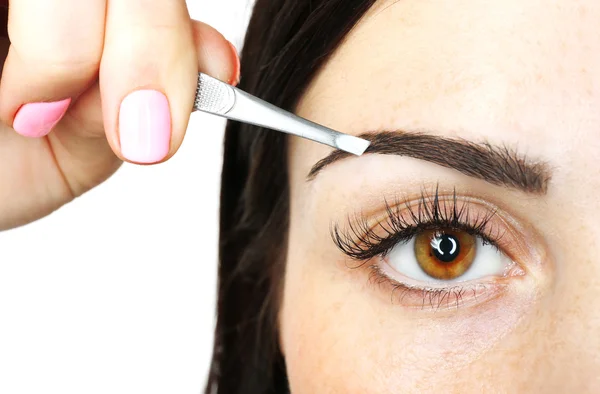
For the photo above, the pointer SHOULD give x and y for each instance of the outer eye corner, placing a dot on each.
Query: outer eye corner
(514, 269)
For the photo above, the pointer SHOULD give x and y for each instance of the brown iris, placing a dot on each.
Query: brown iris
(445, 254)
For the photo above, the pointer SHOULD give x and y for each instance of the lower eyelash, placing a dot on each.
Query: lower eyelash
(431, 297)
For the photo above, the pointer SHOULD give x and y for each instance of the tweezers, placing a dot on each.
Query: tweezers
(218, 98)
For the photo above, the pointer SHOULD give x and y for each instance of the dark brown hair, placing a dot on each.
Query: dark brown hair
(286, 43)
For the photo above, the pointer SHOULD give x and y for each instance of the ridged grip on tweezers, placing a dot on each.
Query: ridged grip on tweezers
(213, 96)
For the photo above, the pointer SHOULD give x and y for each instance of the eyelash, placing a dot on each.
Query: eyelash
(362, 242)
(433, 297)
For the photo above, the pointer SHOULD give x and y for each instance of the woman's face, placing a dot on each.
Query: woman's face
(457, 266)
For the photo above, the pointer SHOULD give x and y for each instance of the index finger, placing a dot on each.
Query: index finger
(54, 56)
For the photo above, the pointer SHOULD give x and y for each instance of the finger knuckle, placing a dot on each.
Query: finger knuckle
(60, 59)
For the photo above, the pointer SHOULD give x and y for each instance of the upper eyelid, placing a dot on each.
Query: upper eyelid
(496, 165)
(431, 209)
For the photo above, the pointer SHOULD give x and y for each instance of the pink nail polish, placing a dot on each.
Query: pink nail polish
(37, 119)
(145, 126)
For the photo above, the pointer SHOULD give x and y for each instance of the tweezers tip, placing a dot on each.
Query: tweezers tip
(351, 144)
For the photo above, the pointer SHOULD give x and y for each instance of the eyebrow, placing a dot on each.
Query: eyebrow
(497, 165)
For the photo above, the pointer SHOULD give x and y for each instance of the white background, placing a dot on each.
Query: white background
(115, 292)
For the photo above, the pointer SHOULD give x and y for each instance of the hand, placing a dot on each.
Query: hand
(88, 84)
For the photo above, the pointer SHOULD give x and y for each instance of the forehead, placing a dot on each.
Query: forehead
(510, 72)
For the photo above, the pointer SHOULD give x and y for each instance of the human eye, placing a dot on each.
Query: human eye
(437, 251)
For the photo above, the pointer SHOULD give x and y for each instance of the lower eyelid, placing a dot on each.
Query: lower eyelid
(437, 298)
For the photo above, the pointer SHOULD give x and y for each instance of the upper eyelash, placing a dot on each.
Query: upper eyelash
(361, 242)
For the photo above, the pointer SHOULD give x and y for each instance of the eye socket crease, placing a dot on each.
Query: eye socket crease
(494, 164)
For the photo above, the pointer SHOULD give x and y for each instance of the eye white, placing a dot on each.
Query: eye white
(488, 261)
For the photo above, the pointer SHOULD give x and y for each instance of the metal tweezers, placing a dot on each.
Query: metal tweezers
(218, 98)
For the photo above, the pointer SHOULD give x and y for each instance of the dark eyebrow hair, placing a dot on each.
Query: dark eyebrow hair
(497, 165)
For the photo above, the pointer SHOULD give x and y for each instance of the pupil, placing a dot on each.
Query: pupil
(445, 247)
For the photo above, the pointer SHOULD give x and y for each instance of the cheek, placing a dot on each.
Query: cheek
(341, 334)
(324, 353)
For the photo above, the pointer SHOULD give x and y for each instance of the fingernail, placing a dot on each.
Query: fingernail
(235, 79)
(37, 119)
(145, 126)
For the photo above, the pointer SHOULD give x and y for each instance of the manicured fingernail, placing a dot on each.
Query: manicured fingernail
(145, 126)
(235, 79)
(37, 119)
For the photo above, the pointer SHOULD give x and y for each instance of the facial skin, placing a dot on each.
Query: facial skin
(519, 73)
